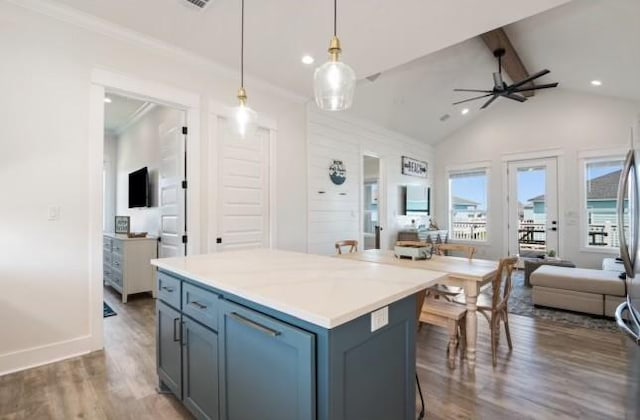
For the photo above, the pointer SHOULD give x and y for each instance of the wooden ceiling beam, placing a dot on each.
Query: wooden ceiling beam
(511, 62)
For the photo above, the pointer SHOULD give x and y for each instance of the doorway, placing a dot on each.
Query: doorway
(144, 189)
(105, 83)
(371, 203)
(533, 207)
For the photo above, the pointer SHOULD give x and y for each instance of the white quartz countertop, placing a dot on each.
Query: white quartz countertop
(325, 291)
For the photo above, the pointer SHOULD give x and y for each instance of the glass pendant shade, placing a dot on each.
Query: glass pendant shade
(334, 86)
(244, 122)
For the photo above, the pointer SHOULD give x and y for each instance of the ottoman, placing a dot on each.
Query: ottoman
(585, 290)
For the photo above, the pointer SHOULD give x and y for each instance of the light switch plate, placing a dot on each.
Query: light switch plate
(379, 318)
(54, 213)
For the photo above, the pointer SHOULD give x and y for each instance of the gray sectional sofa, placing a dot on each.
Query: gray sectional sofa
(597, 292)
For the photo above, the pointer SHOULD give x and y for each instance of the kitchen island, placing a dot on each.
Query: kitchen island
(267, 334)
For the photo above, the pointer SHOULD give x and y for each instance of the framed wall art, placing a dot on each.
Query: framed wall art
(414, 167)
(122, 224)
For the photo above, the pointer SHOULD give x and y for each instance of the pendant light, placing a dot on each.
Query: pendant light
(244, 119)
(334, 82)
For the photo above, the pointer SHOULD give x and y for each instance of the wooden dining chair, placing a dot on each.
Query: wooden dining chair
(353, 246)
(496, 308)
(443, 290)
(450, 316)
(467, 250)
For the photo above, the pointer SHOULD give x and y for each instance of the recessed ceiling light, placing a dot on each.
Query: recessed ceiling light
(464, 111)
(307, 59)
(107, 99)
(596, 83)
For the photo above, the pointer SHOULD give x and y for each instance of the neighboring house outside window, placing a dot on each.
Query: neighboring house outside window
(601, 178)
(468, 191)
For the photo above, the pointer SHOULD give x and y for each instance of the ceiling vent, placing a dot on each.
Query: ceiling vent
(200, 4)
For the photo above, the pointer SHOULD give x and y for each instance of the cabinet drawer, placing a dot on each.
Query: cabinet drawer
(116, 261)
(116, 277)
(118, 246)
(106, 258)
(201, 305)
(106, 273)
(106, 243)
(169, 289)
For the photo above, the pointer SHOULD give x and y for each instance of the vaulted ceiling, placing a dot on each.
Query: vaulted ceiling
(376, 35)
(579, 42)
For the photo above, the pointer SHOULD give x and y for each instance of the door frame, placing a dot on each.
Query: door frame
(558, 154)
(218, 110)
(382, 198)
(101, 81)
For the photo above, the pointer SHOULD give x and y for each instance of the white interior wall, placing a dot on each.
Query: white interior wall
(138, 146)
(110, 170)
(566, 121)
(335, 210)
(44, 265)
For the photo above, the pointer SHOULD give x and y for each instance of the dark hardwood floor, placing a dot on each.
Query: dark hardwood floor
(554, 372)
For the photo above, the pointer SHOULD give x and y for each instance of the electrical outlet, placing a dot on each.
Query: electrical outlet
(54, 213)
(379, 318)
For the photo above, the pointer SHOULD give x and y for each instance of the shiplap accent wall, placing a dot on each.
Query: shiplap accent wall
(336, 214)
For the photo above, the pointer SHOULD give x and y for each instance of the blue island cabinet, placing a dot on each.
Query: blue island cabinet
(230, 358)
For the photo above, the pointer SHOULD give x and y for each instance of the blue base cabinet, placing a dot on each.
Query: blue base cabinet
(200, 369)
(232, 359)
(267, 367)
(169, 347)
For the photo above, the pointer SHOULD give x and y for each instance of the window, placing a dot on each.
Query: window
(601, 177)
(468, 205)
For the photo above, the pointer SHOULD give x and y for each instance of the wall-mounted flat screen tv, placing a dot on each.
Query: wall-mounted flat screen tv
(139, 188)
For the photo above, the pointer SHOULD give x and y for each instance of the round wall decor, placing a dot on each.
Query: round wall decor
(337, 172)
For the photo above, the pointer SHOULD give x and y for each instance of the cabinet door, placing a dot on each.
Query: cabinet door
(267, 367)
(169, 349)
(200, 369)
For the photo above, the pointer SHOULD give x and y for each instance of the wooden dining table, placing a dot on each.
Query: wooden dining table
(468, 274)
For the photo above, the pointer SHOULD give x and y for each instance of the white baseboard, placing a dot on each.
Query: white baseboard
(38, 356)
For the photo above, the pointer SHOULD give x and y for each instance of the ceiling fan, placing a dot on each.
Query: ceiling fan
(500, 88)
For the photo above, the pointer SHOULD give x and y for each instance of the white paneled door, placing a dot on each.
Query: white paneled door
(172, 194)
(243, 191)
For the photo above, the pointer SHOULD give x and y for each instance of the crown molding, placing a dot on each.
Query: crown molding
(101, 26)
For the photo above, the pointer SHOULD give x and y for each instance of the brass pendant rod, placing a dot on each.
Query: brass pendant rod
(242, 47)
(335, 17)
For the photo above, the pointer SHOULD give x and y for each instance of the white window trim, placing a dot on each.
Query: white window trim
(585, 157)
(462, 168)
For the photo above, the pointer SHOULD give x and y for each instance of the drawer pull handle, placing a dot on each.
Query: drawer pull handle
(168, 289)
(255, 325)
(176, 326)
(198, 305)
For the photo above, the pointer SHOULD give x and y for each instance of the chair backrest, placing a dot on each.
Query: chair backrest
(467, 250)
(502, 284)
(353, 246)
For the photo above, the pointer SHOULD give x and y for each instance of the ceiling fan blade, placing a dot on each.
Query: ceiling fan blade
(530, 78)
(536, 87)
(515, 97)
(489, 102)
(472, 90)
(472, 99)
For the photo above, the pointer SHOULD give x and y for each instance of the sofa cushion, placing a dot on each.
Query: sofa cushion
(590, 303)
(579, 279)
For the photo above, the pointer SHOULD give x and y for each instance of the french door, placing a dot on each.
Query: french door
(533, 207)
